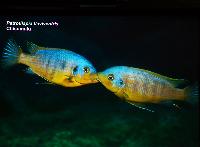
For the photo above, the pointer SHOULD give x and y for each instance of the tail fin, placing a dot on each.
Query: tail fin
(192, 93)
(11, 54)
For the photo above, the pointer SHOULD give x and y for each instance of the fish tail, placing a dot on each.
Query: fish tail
(11, 54)
(192, 93)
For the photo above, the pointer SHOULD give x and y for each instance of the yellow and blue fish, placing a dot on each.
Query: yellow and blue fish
(138, 86)
(59, 66)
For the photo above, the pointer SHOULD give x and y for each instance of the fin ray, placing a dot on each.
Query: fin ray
(139, 106)
(29, 71)
(192, 93)
(32, 48)
(11, 53)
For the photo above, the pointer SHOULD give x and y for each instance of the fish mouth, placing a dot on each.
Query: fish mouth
(94, 78)
(72, 79)
(91, 79)
(83, 83)
(98, 79)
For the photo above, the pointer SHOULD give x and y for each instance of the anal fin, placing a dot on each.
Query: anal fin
(172, 104)
(44, 83)
(140, 106)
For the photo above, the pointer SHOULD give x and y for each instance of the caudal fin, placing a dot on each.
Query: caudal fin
(11, 54)
(192, 93)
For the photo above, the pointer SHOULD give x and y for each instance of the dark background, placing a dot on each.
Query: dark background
(165, 44)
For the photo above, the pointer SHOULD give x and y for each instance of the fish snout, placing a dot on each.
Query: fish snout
(87, 79)
(94, 78)
(101, 77)
(107, 83)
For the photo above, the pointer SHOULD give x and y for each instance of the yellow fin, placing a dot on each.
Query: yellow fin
(177, 83)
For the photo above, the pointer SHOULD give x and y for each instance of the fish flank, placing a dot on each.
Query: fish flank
(48, 65)
(53, 70)
(63, 65)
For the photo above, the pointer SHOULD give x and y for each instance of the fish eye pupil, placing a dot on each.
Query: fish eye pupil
(110, 77)
(86, 69)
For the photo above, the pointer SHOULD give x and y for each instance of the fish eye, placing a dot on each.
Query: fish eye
(110, 77)
(86, 69)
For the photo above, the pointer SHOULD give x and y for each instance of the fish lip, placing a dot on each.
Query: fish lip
(98, 79)
(92, 81)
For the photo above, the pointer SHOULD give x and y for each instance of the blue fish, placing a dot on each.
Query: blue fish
(59, 66)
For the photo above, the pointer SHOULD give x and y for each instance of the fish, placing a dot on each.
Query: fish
(138, 86)
(58, 66)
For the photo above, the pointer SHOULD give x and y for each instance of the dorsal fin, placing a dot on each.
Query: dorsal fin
(177, 83)
(180, 83)
(33, 48)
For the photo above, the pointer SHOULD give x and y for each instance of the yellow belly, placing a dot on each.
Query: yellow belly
(52, 75)
(168, 94)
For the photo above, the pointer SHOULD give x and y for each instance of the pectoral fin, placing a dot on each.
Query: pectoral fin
(29, 71)
(69, 78)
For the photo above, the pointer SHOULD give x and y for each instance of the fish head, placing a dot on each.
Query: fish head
(111, 78)
(84, 72)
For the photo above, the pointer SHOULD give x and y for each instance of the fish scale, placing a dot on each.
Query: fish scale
(154, 85)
